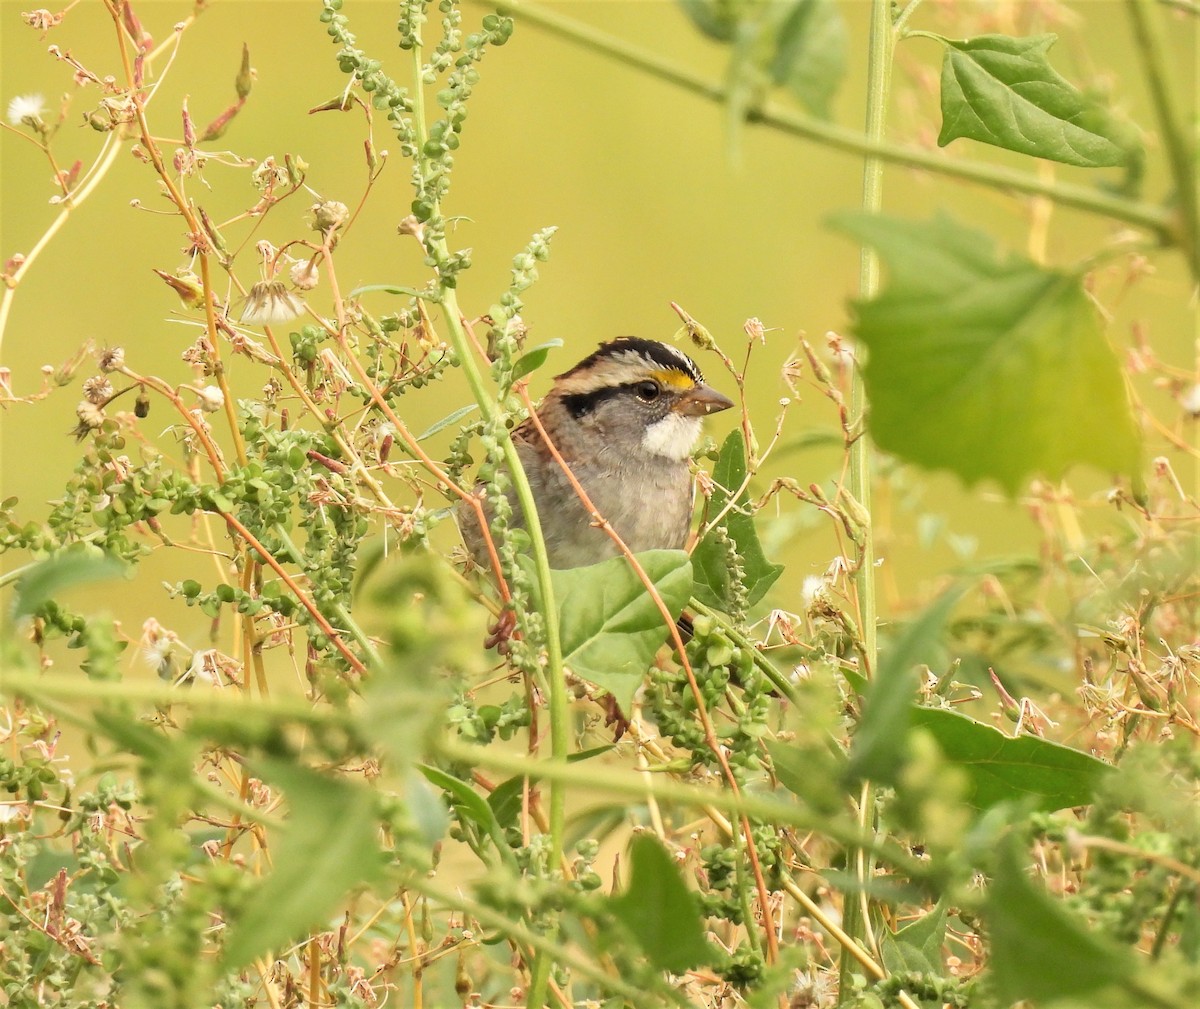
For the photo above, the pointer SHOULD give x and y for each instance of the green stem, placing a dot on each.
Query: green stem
(787, 120)
(109, 153)
(879, 72)
(8, 577)
(559, 708)
(1176, 138)
(546, 948)
(639, 787)
(339, 611)
(903, 16)
(774, 676)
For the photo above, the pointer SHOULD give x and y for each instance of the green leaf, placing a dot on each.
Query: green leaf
(426, 808)
(533, 358)
(1040, 951)
(330, 847)
(470, 806)
(139, 739)
(916, 948)
(1002, 91)
(717, 19)
(878, 748)
(1004, 768)
(609, 626)
(988, 367)
(445, 422)
(409, 292)
(47, 580)
(813, 773)
(659, 911)
(505, 798)
(744, 75)
(710, 559)
(810, 53)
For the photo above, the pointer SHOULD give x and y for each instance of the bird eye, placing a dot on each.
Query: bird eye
(647, 391)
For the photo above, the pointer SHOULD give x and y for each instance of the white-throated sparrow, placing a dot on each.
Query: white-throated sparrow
(625, 419)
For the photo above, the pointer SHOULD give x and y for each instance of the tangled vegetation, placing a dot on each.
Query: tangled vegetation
(994, 804)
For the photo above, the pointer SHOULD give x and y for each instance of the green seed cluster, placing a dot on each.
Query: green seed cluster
(724, 671)
(482, 723)
(501, 341)
(922, 987)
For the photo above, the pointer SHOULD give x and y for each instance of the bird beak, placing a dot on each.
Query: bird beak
(701, 401)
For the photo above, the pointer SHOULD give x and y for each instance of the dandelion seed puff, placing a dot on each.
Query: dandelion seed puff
(269, 301)
(25, 109)
(157, 653)
(11, 812)
(211, 398)
(809, 589)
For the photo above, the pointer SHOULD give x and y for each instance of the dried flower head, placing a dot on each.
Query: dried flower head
(304, 274)
(1190, 400)
(242, 344)
(27, 110)
(90, 417)
(112, 359)
(271, 391)
(199, 354)
(211, 398)
(411, 225)
(329, 214)
(41, 20)
(269, 301)
(268, 175)
(97, 389)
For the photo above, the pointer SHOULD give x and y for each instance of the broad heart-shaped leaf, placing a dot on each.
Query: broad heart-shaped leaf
(1039, 950)
(810, 52)
(609, 626)
(1005, 768)
(660, 911)
(329, 848)
(710, 559)
(916, 948)
(1002, 91)
(878, 748)
(986, 367)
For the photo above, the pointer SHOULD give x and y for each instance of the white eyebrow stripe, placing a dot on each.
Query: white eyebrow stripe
(681, 363)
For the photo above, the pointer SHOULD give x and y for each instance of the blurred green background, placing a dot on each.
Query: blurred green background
(651, 204)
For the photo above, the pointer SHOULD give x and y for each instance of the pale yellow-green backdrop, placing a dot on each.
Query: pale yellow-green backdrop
(636, 174)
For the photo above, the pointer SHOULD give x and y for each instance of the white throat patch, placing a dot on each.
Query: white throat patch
(674, 436)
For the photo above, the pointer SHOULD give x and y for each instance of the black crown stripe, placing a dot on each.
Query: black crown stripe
(660, 355)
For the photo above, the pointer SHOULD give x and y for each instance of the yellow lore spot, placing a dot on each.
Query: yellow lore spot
(671, 377)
